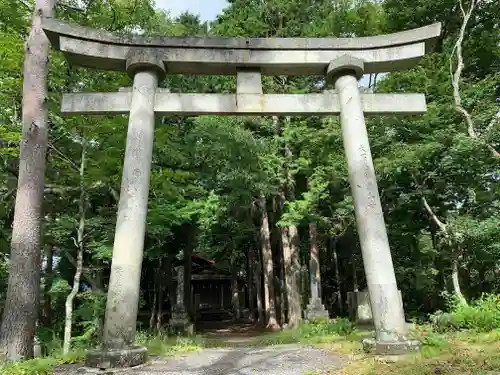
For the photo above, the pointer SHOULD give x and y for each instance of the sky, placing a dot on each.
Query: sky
(207, 9)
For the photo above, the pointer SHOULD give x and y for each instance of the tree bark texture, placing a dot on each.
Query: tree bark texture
(292, 274)
(261, 315)
(152, 315)
(338, 282)
(23, 293)
(234, 288)
(250, 277)
(188, 265)
(267, 265)
(161, 295)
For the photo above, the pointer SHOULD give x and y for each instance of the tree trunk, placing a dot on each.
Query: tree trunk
(188, 265)
(292, 271)
(161, 294)
(450, 238)
(261, 316)
(235, 288)
(79, 259)
(250, 278)
(98, 290)
(314, 266)
(456, 281)
(338, 283)
(290, 240)
(267, 266)
(280, 292)
(170, 283)
(23, 292)
(355, 281)
(49, 277)
(152, 315)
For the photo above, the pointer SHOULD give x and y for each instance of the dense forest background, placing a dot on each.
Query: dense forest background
(214, 179)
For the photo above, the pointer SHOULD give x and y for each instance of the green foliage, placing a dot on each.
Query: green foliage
(163, 345)
(482, 315)
(325, 327)
(208, 170)
(312, 332)
(40, 366)
(429, 337)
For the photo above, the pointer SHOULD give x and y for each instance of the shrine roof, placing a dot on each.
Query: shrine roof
(195, 259)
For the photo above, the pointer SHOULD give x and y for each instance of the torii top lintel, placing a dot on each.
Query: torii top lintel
(99, 49)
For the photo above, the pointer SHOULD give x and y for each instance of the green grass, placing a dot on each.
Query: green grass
(454, 353)
(158, 346)
(457, 353)
(41, 366)
(166, 346)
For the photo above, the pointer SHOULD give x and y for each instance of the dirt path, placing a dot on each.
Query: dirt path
(275, 360)
(238, 356)
(228, 333)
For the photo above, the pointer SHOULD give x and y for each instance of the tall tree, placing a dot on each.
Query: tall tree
(21, 305)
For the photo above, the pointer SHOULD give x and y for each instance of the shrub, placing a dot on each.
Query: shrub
(482, 315)
(428, 336)
(324, 327)
(40, 366)
(161, 344)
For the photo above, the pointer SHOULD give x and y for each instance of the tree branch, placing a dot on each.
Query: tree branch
(457, 50)
(85, 273)
(442, 226)
(434, 217)
(112, 191)
(456, 76)
(64, 157)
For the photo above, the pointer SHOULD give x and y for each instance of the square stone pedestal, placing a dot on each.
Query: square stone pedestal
(316, 310)
(360, 310)
(180, 323)
(391, 348)
(116, 358)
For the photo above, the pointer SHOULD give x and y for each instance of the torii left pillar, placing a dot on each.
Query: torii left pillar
(118, 348)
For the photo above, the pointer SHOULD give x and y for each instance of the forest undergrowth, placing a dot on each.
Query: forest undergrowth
(464, 340)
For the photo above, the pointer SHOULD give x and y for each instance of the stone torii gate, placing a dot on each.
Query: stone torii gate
(147, 59)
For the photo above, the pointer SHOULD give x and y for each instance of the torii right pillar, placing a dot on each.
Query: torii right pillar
(388, 315)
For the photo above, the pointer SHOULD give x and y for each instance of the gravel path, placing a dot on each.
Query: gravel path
(275, 360)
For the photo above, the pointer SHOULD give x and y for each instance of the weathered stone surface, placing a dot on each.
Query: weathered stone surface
(166, 103)
(123, 291)
(180, 323)
(55, 28)
(344, 65)
(390, 347)
(217, 61)
(387, 310)
(316, 310)
(360, 310)
(106, 359)
(292, 56)
(139, 59)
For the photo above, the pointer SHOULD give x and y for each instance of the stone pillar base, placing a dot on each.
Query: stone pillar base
(391, 348)
(123, 358)
(316, 310)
